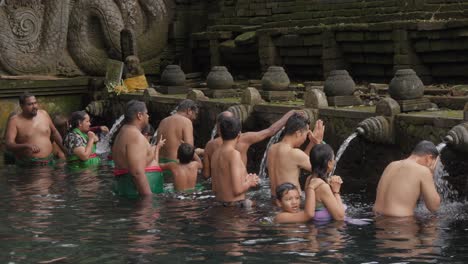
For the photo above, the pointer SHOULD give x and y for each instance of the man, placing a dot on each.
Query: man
(245, 141)
(177, 128)
(28, 135)
(136, 168)
(230, 178)
(403, 182)
(285, 158)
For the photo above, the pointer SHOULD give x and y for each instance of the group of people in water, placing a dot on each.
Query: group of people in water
(141, 168)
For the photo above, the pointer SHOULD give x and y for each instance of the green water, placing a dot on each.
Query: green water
(52, 214)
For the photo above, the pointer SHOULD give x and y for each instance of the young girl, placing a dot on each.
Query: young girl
(289, 200)
(327, 194)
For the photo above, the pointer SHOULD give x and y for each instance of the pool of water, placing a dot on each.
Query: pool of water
(51, 215)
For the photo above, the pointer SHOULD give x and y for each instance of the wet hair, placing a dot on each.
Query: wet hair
(132, 109)
(61, 123)
(283, 189)
(23, 97)
(77, 117)
(186, 105)
(295, 123)
(425, 148)
(319, 157)
(230, 128)
(185, 153)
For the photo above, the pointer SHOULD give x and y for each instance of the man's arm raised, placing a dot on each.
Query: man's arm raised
(251, 138)
(137, 162)
(430, 195)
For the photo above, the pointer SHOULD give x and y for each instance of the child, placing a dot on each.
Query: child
(185, 172)
(289, 199)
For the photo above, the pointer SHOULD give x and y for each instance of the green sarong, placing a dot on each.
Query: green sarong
(75, 162)
(167, 173)
(33, 162)
(125, 186)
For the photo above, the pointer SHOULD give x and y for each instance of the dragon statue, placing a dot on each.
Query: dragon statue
(76, 37)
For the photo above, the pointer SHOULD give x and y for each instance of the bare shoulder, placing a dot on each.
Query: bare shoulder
(43, 113)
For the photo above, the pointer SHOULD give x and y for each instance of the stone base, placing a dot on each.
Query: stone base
(414, 104)
(172, 89)
(278, 95)
(347, 100)
(222, 93)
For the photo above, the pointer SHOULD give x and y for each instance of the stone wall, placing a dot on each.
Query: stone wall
(371, 39)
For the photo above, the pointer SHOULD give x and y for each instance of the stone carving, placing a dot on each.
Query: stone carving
(406, 85)
(219, 78)
(377, 129)
(339, 83)
(275, 79)
(242, 112)
(133, 67)
(457, 137)
(173, 76)
(34, 33)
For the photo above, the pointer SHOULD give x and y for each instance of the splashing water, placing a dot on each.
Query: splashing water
(273, 140)
(213, 132)
(342, 149)
(103, 145)
(443, 186)
(154, 139)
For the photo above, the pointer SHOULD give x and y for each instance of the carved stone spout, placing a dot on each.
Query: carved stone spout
(377, 129)
(241, 111)
(457, 137)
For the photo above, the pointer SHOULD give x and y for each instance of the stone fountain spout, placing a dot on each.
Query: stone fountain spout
(380, 128)
(457, 137)
(377, 129)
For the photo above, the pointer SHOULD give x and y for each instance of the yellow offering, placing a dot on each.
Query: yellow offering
(136, 83)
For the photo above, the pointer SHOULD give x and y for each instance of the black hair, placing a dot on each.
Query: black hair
(319, 157)
(23, 97)
(132, 108)
(283, 189)
(295, 123)
(185, 153)
(230, 128)
(425, 148)
(77, 117)
(186, 105)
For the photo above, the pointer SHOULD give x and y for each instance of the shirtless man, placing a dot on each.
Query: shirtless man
(404, 181)
(285, 159)
(229, 173)
(177, 128)
(136, 168)
(245, 141)
(28, 135)
(185, 172)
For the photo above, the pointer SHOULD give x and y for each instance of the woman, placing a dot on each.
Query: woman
(327, 193)
(80, 141)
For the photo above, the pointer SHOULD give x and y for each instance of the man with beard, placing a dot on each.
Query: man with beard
(28, 135)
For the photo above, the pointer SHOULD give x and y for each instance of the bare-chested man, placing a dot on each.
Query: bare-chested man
(136, 167)
(285, 159)
(228, 170)
(245, 141)
(404, 181)
(28, 135)
(177, 128)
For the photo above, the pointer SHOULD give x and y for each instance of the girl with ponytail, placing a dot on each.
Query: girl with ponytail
(327, 193)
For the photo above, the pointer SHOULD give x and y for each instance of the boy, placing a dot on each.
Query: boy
(288, 199)
(186, 170)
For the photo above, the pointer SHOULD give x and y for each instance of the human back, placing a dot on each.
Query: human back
(178, 128)
(399, 188)
(283, 165)
(404, 182)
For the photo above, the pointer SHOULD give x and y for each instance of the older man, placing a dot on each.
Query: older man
(29, 132)
(136, 167)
